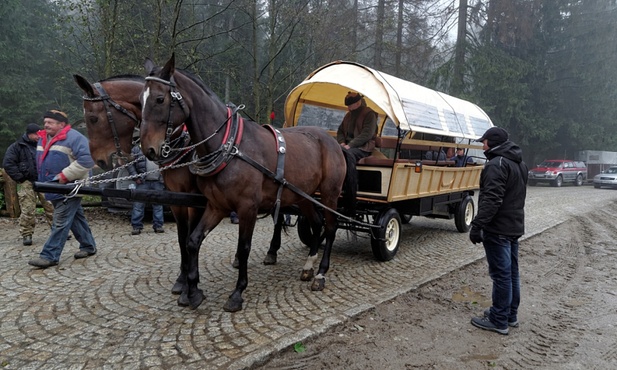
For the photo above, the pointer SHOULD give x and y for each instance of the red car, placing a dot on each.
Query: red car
(558, 171)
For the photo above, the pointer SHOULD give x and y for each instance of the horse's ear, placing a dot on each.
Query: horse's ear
(85, 85)
(149, 65)
(169, 68)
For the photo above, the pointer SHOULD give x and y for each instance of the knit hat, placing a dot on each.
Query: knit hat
(352, 97)
(57, 115)
(495, 136)
(32, 128)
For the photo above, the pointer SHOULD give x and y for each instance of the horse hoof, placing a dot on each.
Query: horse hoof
(306, 275)
(235, 264)
(183, 300)
(233, 305)
(318, 285)
(177, 288)
(270, 259)
(196, 299)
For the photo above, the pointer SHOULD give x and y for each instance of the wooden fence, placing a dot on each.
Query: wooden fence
(10, 196)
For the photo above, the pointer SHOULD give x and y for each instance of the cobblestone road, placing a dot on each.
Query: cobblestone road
(115, 310)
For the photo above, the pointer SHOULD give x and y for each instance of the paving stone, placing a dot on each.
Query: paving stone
(115, 310)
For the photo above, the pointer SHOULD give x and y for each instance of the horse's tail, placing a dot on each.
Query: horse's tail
(350, 186)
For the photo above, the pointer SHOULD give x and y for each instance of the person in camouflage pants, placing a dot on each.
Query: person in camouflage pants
(20, 164)
(27, 202)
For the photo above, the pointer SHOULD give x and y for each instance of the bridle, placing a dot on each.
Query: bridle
(175, 97)
(108, 102)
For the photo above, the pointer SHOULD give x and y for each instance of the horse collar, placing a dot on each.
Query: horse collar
(216, 161)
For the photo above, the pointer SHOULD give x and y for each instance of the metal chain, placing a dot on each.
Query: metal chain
(171, 166)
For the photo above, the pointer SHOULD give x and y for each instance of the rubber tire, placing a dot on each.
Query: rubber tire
(388, 238)
(532, 182)
(558, 181)
(463, 216)
(579, 180)
(597, 186)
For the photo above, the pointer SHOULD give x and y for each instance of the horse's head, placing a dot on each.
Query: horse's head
(164, 109)
(112, 112)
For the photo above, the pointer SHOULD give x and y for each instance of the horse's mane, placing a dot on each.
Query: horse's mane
(202, 85)
(137, 78)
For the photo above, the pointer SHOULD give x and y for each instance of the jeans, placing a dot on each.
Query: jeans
(137, 215)
(68, 215)
(358, 153)
(502, 257)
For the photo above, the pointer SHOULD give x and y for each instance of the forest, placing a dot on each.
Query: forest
(543, 70)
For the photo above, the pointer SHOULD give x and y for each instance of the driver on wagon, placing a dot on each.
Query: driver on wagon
(356, 133)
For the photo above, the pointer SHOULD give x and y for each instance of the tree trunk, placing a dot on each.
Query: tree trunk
(381, 6)
(399, 38)
(458, 80)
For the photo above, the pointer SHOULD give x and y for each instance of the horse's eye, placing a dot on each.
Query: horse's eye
(160, 100)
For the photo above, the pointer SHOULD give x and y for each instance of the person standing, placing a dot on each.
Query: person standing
(461, 159)
(150, 179)
(499, 224)
(20, 164)
(357, 132)
(63, 155)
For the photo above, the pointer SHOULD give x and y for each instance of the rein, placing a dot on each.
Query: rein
(217, 160)
(107, 102)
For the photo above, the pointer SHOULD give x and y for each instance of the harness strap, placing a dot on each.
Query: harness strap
(217, 160)
(106, 102)
(280, 166)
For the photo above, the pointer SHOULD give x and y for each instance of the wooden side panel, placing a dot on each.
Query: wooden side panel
(431, 180)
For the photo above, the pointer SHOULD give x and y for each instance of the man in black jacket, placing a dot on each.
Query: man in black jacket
(20, 164)
(499, 224)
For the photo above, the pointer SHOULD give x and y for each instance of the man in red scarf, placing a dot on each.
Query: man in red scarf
(63, 155)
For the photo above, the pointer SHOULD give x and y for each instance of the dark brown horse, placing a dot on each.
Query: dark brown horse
(244, 167)
(112, 112)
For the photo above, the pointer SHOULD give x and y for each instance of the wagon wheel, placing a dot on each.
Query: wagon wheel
(464, 214)
(306, 234)
(385, 240)
(558, 181)
(579, 180)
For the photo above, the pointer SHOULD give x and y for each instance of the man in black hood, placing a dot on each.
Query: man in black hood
(20, 164)
(498, 225)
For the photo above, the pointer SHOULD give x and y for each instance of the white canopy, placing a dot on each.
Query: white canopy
(410, 106)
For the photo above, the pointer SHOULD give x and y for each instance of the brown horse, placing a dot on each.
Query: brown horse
(112, 112)
(245, 167)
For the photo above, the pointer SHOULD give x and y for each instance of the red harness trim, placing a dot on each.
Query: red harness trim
(236, 142)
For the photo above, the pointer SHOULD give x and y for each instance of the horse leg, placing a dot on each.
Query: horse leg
(275, 243)
(315, 222)
(193, 295)
(186, 222)
(180, 215)
(320, 279)
(248, 219)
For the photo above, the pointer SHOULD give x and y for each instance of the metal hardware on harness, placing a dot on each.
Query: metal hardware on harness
(175, 97)
(215, 161)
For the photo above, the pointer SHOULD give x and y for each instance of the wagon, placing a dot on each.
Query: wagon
(396, 182)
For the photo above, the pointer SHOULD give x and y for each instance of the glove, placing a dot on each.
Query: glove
(475, 235)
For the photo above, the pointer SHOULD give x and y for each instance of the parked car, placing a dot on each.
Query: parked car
(557, 171)
(607, 178)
